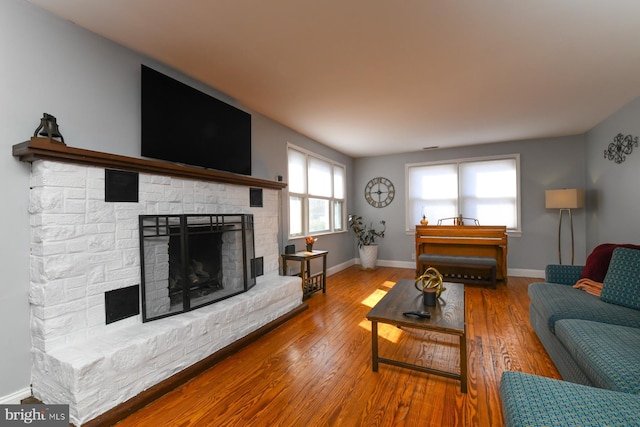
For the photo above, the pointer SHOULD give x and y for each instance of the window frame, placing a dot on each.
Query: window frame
(410, 222)
(305, 196)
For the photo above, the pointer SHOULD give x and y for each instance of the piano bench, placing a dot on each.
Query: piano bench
(461, 262)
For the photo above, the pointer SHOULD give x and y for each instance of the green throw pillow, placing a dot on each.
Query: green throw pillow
(621, 285)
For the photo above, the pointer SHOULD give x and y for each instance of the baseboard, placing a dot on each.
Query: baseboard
(523, 272)
(16, 397)
(396, 264)
(338, 268)
(132, 405)
(390, 263)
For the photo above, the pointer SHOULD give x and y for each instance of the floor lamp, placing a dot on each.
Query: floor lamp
(565, 200)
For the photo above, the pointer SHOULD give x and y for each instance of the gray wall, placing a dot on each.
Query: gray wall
(271, 156)
(93, 87)
(613, 195)
(545, 164)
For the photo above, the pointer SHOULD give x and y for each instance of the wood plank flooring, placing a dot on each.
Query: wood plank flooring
(315, 370)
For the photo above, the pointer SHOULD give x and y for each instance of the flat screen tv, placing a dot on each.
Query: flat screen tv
(183, 125)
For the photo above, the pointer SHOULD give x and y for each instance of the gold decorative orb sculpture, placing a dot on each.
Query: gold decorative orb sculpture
(431, 278)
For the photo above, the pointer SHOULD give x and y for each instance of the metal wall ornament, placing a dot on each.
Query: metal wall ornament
(620, 148)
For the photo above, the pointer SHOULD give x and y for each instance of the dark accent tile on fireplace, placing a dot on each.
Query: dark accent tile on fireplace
(120, 186)
(255, 197)
(257, 266)
(122, 303)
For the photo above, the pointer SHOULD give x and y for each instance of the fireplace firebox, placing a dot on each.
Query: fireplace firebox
(189, 261)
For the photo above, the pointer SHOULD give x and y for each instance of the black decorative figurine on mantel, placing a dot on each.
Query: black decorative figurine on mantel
(49, 127)
(620, 148)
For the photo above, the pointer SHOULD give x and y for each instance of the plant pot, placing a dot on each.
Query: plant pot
(368, 256)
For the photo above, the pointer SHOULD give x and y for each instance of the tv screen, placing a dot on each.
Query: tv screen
(183, 125)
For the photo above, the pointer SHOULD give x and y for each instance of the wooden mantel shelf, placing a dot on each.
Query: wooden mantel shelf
(50, 149)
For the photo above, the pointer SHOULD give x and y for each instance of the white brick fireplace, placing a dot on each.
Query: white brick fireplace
(82, 247)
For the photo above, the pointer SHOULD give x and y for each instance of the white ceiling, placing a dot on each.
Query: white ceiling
(371, 77)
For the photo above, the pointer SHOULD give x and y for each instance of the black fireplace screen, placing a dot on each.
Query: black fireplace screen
(189, 261)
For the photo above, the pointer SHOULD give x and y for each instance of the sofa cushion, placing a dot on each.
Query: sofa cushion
(621, 285)
(556, 302)
(562, 359)
(608, 354)
(530, 400)
(597, 264)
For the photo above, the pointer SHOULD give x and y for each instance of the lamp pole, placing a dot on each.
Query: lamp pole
(560, 234)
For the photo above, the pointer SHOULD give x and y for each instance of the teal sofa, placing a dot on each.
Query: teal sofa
(594, 343)
(532, 400)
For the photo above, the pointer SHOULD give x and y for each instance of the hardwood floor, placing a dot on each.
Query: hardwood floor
(315, 370)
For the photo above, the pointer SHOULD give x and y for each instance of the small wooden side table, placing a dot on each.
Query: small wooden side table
(310, 283)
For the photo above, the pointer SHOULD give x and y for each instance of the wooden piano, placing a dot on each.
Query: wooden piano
(463, 240)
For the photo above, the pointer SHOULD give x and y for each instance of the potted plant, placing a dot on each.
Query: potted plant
(366, 236)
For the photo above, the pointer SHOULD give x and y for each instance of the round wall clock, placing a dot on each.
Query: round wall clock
(379, 192)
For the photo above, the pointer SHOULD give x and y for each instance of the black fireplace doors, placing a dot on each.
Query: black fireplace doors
(189, 261)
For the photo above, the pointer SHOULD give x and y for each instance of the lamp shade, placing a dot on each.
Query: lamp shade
(572, 198)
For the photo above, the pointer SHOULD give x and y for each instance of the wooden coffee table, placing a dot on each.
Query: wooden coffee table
(447, 317)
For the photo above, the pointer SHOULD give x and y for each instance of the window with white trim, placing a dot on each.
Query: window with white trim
(316, 193)
(486, 189)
